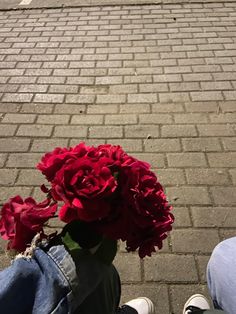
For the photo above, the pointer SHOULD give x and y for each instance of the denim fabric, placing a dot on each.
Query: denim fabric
(51, 282)
(221, 276)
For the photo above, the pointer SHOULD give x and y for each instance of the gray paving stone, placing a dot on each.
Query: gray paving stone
(169, 268)
(14, 145)
(68, 131)
(105, 132)
(182, 240)
(207, 176)
(34, 130)
(201, 144)
(23, 160)
(133, 272)
(210, 217)
(188, 195)
(162, 145)
(224, 195)
(7, 176)
(182, 217)
(8, 192)
(186, 160)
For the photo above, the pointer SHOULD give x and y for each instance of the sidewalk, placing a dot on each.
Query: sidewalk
(157, 79)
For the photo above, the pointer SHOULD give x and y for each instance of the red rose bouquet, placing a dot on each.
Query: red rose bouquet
(115, 194)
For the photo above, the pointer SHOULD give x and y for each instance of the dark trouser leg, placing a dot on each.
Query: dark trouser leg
(105, 298)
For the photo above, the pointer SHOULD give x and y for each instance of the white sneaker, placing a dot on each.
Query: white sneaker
(196, 302)
(142, 305)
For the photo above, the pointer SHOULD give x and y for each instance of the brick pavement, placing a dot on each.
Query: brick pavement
(157, 79)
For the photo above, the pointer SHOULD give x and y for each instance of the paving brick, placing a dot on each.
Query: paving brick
(37, 108)
(223, 118)
(45, 145)
(18, 118)
(182, 240)
(49, 98)
(233, 175)
(155, 160)
(3, 158)
(137, 79)
(186, 160)
(229, 143)
(228, 106)
(141, 131)
(17, 97)
(162, 145)
(105, 132)
(7, 130)
(53, 119)
(216, 130)
(7, 192)
(207, 176)
(188, 195)
(125, 272)
(80, 99)
(7, 176)
(201, 144)
(224, 160)
(223, 195)
(207, 106)
(202, 262)
(30, 177)
(194, 77)
(142, 98)
(121, 89)
(211, 217)
(171, 177)
(120, 119)
(34, 130)
(14, 145)
(9, 107)
(191, 118)
(174, 97)
(102, 109)
(70, 109)
(134, 145)
(67, 89)
(155, 118)
(182, 217)
(167, 78)
(107, 80)
(168, 108)
(205, 96)
(178, 131)
(111, 99)
(68, 131)
(87, 119)
(178, 268)
(23, 160)
(135, 108)
(155, 87)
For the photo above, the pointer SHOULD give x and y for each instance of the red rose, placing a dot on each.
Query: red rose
(53, 161)
(141, 214)
(22, 219)
(84, 186)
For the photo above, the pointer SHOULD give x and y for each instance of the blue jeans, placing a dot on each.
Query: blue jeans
(51, 282)
(221, 276)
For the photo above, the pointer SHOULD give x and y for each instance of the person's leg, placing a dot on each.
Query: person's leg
(221, 276)
(105, 298)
